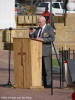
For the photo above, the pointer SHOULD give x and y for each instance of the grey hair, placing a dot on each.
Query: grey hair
(42, 17)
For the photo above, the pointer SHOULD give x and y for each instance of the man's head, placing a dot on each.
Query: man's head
(41, 21)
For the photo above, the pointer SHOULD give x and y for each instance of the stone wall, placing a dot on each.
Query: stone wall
(65, 35)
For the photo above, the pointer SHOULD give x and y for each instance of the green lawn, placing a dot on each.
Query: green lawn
(55, 62)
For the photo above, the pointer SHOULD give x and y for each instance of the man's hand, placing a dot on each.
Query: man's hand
(30, 30)
(40, 39)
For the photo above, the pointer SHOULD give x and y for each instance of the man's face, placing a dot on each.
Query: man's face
(41, 22)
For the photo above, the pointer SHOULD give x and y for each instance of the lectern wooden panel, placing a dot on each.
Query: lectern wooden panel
(27, 63)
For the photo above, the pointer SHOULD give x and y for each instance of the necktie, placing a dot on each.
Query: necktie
(40, 32)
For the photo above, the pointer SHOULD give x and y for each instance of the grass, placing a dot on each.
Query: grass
(55, 62)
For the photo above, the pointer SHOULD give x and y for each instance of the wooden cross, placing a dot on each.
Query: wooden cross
(21, 53)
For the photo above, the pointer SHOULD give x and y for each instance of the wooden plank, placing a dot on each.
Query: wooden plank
(30, 19)
(36, 59)
(26, 19)
(18, 68)
(21, 20)
(34, 19)
(37, 19)
(27, 63)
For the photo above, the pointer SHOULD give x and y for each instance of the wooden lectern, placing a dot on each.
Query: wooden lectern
(27, 63)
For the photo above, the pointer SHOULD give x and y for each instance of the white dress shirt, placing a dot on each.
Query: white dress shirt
(41, 31)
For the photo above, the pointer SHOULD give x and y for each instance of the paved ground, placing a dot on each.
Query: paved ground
(10, 93)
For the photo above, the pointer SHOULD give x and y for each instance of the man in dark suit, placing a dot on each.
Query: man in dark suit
(44, 33)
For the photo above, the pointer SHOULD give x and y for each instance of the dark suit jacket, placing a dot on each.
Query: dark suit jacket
(47, 36)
